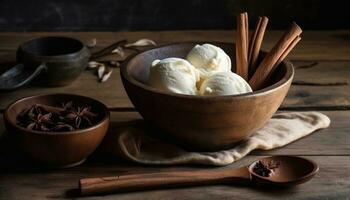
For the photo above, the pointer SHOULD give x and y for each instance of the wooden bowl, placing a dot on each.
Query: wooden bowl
(57, 149)
(196, 122)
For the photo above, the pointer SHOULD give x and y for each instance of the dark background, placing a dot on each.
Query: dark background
(114, 15)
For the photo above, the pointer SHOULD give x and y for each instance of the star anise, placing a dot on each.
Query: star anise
(40, 122)
(265, 169)
(82, 116)
(50, 118)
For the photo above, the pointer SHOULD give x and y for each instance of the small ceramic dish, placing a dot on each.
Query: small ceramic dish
(57, 149)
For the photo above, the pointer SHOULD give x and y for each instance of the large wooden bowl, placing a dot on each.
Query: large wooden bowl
(57, 149)
(197, 122)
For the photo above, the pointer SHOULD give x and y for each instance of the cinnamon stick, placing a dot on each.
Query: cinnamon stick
(253, 38)
(268, 64)
(246, 22)
(255, 43)
(288, 50)
(284, 55)
(242, 46)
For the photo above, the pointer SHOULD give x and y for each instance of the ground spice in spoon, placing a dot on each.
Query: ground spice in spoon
(68, 117)
(265, 169)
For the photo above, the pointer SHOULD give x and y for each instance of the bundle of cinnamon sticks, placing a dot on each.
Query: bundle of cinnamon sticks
(247, 51)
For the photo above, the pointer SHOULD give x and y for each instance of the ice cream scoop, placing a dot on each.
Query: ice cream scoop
(224, 83)
(174, 75)
(208, 58)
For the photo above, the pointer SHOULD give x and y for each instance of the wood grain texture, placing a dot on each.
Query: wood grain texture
(320, 97)
(332, 182)
(67, 149)
(161, 180)
(329, 49)
(316, 45)
(319, 143)
(112, 92)
(17, 181)
(329, 147)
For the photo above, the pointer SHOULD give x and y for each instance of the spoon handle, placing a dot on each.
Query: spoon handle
(104, 185)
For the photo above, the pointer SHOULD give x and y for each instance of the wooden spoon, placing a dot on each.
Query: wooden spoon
(290, 171)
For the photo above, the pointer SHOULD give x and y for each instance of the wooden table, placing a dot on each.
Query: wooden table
(322, 63)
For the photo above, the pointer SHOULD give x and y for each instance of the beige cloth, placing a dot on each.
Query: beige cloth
(133, 143)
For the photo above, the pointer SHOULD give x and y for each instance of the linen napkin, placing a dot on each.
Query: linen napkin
(132, 141)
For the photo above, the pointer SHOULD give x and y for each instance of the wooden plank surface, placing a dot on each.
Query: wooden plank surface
(328, 147)
(112, 92)
(321, 59)
(320, 89)
(332, 182)
(17, 181)
(315, 45)
(320, 143)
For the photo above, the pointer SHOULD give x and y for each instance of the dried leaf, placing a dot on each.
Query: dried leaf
(91, 43)
(141, 43)
(101, 71)
(94, 64)
(119, 51)
(106, 76)
(114, 63)
(108, 49)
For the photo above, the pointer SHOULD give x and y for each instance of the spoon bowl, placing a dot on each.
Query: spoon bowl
(290, 171)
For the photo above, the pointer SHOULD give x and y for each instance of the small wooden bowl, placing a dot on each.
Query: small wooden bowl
(57, 149)
(197, 122)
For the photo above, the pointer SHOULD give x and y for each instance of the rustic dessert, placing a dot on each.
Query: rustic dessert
(207, 71)
(214, 66)
(174, 75)
(208, 59)
(224, 83)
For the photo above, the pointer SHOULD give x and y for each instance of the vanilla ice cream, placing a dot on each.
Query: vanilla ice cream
(174, 75)
(208, 58)
(224, 83)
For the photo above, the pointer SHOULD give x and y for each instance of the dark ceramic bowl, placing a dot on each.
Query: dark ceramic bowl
(197, 122)
(51, 61)
(57, 149)
(63, 58)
